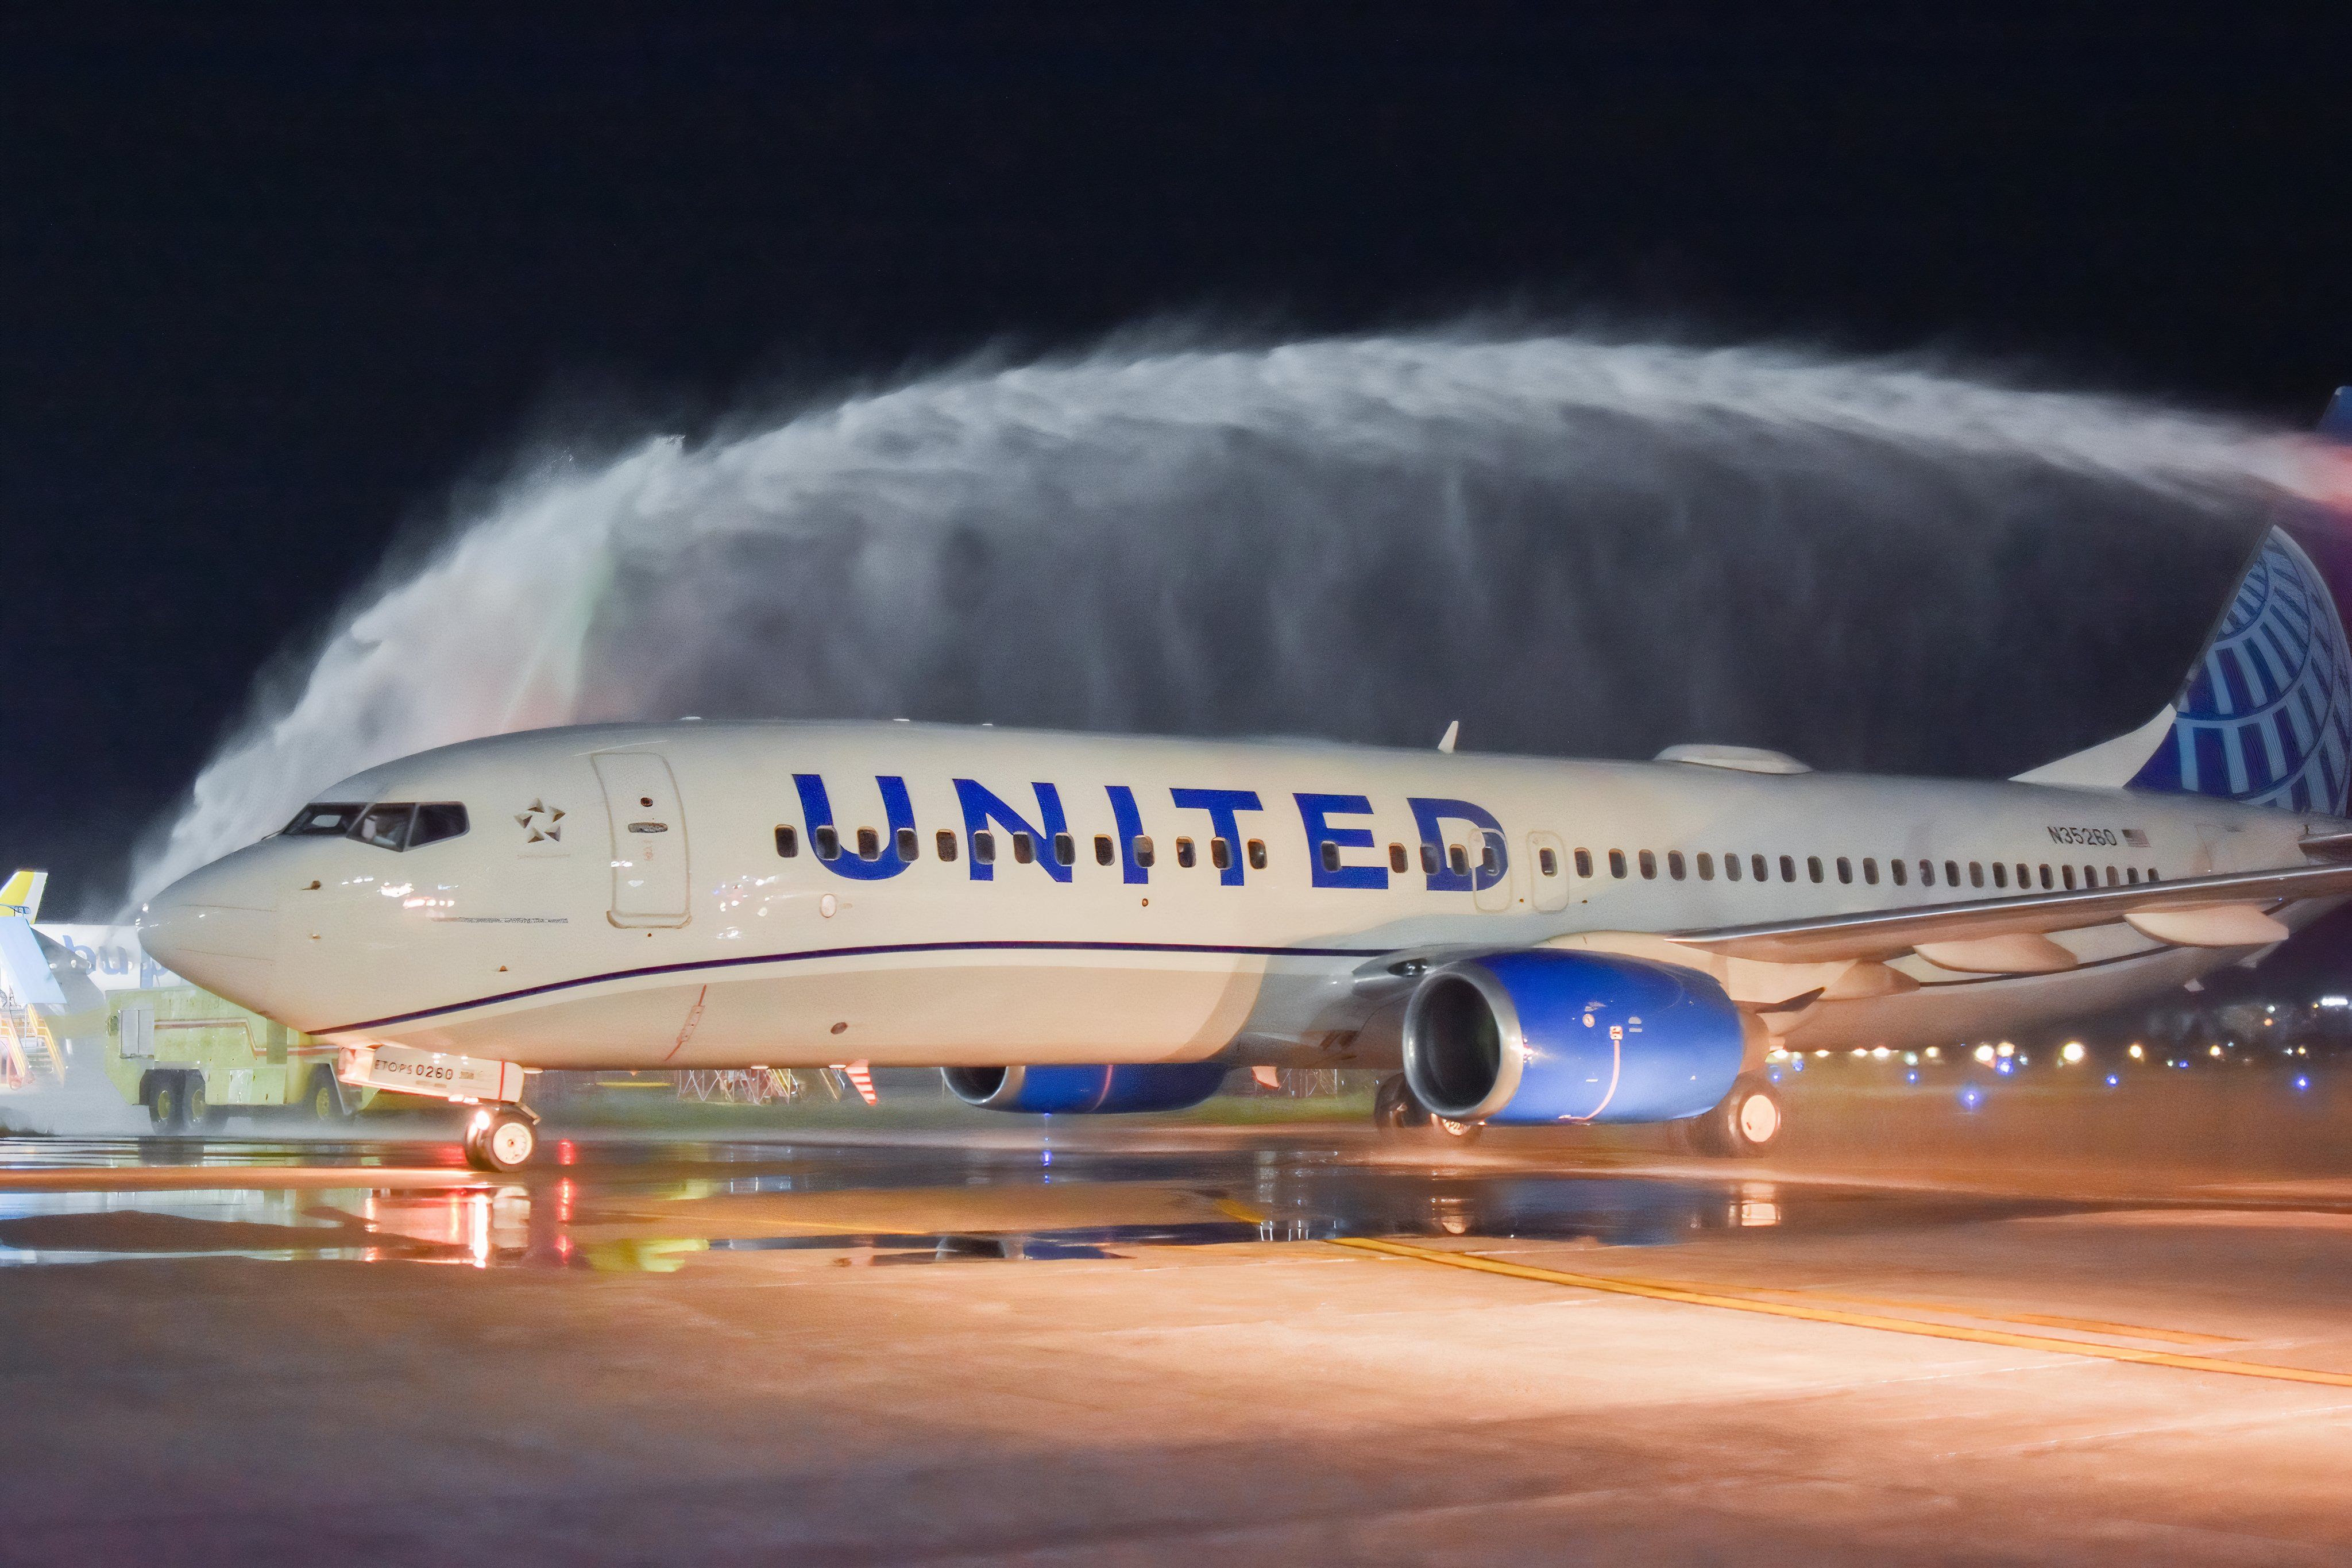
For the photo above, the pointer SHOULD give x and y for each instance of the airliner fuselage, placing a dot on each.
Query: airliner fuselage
(720, 894)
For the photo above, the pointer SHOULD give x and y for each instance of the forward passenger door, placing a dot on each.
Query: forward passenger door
(651, 885)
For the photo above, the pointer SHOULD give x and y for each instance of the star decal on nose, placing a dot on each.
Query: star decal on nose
(544, 823)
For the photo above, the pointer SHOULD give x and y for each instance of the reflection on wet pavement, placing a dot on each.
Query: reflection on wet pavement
(654, 1206)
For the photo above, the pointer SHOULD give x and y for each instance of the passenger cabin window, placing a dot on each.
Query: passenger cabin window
(827, 840)
(1330, 853)
(1731, 867)
(1649, 866)
(2131, 875)
(1788, 867)
(1105, 850)
(2151, 873)
(1895, 869)
(1584, 862)
(869, 844)
(1926, 873)
(1065, 849)
(1548, 862)
(1675, 864)
(1976, 873)
(1143, 852)
(1844, 869)
(2069, 872)
(437, 820)
(1870, 870)
(1221, 853)
(1257, 855)
(1429, 858)
(1617, 862)
(1486, 860)
(1024, 848)
(1951, 873)
(1705, 866)
(325, 819)
(947, 843)
(2045, 877)
(1458, 858)
(788, 842)
(1397, 858)
(384, 826)
(983, 848)
(911, 849)
(1999, 874)
(1185, 856)
(1813, 866)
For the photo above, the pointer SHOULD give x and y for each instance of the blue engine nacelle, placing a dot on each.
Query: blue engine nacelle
(1087, 1090)
(1543, 1036)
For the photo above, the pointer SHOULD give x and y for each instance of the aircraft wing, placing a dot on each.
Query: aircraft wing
(2234, 909)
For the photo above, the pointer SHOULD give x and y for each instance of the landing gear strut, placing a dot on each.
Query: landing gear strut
(1396, 1110)
(501, 1138)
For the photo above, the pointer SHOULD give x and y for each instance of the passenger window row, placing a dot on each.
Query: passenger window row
(1759, 868)
(827, 843)
(435, 821)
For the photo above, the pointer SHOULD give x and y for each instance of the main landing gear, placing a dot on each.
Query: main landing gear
(501, 1138)
(1748, 1124)
(1397, 1112)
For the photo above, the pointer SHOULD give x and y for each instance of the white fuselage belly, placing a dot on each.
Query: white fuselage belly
(676, 935)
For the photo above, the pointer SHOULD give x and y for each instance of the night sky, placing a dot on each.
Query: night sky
(270, 290)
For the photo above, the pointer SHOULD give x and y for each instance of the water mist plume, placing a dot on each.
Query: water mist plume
(1575, 545)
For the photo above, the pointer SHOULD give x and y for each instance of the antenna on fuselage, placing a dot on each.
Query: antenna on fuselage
(1452, 733)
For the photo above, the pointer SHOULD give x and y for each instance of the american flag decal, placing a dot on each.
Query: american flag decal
(2137, 838)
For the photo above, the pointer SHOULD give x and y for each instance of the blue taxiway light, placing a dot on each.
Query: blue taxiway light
(1971, 1096)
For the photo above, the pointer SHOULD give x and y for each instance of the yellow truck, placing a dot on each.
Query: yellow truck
(194, 1060)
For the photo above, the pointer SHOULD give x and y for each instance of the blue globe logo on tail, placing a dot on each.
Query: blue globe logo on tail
(2266, 715)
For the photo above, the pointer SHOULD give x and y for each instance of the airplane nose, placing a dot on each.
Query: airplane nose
(218, 927)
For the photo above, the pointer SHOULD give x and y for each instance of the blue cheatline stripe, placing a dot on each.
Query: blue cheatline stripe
(709, 963)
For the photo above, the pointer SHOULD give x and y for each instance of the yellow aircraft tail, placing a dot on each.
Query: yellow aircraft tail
(21, 894)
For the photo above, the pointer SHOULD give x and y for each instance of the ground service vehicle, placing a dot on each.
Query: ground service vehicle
(194, 1060)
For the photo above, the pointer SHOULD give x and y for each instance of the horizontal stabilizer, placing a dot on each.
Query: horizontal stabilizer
(2110, 764)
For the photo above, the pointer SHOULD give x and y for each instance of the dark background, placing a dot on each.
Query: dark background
(269, 285)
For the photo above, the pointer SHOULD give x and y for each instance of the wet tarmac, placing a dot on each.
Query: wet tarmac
(1145, 1343)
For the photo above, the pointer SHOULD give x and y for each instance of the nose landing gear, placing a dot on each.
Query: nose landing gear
(501, 1138)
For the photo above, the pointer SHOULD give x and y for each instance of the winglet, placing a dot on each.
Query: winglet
(1452, 733)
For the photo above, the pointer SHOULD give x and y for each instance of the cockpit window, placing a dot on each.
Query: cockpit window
(384, 824)
(437, 820)
(325, 818)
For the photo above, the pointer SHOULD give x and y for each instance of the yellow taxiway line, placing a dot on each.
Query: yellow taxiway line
(1695, 1298)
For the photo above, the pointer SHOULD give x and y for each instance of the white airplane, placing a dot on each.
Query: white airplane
(1075, 923)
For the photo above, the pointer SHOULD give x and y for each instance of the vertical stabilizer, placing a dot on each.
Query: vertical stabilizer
(21, 895)
(2265, 714)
